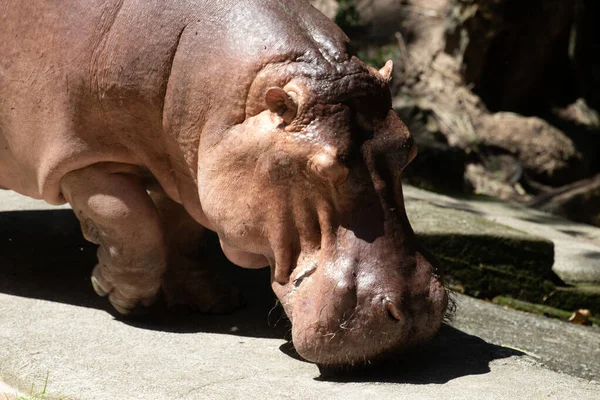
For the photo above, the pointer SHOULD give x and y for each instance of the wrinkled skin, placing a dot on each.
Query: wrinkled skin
(156, 121)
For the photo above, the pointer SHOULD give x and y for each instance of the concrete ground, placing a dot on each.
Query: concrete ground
(52, 325)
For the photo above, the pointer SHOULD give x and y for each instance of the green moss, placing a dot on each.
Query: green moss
(487, 281)
(575, 298)
(516, 257)
(540, 309)
(485, 258)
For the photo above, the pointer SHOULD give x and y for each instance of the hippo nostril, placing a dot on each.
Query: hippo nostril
(391, 309)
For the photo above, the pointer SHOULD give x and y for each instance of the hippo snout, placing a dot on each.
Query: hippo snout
(353, 308)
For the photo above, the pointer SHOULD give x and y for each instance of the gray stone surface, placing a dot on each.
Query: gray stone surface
(90, 355)
(431, 219)
(561, 346)
(11, 201)
(576, 246)
(52, 324)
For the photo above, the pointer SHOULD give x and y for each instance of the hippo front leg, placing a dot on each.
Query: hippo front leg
(116, 212)
(189, 279)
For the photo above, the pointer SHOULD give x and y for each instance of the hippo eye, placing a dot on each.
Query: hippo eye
(328, 168)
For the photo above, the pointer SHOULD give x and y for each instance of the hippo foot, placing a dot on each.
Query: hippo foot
(188, 283)
(126, 299)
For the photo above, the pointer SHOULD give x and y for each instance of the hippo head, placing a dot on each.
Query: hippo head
(310, 184)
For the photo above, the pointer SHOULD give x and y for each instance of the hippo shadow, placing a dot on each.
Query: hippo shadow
(450, 355)
(43, 255)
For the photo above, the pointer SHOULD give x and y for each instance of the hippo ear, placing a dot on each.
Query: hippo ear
(387, 71)
(282, 103)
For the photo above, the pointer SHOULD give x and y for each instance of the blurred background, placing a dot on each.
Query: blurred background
(502, 96)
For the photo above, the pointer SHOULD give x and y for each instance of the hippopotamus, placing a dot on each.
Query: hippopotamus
(157, 120)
